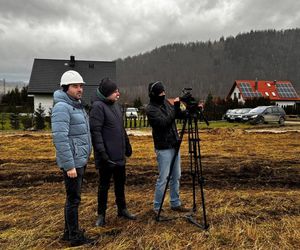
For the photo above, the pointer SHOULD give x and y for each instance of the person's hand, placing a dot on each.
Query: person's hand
(177, 99)
(128, 151)
(104, 157)
(72, 173)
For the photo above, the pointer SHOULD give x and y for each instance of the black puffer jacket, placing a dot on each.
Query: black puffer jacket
(108, 133)
(162, 121)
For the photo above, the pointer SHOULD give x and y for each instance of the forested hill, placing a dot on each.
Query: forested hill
(213, 66)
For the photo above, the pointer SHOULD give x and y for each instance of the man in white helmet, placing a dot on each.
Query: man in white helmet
(71, 137)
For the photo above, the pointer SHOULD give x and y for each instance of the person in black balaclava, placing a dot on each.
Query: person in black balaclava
(111, 146)
(161, 115)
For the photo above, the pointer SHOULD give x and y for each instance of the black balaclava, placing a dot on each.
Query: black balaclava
(107, 87)
(155, 89)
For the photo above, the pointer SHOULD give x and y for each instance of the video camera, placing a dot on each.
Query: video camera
(192, 105)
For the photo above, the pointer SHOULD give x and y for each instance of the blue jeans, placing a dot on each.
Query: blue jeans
(164, 159)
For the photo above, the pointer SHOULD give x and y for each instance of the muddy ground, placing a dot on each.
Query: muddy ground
(230, 158)
(250, 174)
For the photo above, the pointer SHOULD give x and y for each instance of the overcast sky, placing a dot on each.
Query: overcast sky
(107, 30)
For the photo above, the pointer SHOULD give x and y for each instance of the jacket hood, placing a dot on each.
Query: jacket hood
(61, 96)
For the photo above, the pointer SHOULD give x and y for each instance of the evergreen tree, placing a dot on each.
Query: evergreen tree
(48, 117)
(27, 121)
(14, 121)
(39, 117)
(209, 107)
(137, 103)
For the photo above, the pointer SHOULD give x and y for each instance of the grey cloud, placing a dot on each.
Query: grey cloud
(107, 30)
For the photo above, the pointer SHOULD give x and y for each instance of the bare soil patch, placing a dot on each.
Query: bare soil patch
(252, 183)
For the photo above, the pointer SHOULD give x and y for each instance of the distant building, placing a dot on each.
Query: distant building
(46, 74)
(282, 93)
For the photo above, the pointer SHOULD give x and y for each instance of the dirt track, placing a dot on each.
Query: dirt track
(230, 158)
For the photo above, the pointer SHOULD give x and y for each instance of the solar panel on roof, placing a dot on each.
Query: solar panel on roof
(286, 90)
(247, 90)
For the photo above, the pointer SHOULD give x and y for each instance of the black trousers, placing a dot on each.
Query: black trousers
(73, 191)
(119, 177)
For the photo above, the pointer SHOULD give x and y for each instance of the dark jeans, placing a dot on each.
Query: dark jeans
(119, 176)
(73, 190)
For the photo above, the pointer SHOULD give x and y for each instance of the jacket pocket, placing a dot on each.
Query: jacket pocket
(74, 147)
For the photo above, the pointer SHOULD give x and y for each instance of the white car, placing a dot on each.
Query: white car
(131, 113)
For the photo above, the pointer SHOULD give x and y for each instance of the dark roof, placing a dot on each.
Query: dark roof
(274, 90)
(46, 74)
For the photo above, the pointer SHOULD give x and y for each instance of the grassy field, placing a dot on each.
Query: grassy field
(252, 194)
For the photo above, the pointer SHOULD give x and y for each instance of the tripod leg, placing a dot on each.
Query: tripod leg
(199, 172)
(191, 139)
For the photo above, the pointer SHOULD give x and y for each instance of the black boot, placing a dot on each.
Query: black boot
(78, 238)
(101, 220)
(65, 236)
(125, 213)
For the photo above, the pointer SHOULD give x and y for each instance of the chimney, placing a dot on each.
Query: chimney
(72, 61)
(256, 84)
(275, 82)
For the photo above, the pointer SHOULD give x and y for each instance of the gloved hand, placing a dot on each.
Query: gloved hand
(104, 157)
(128, 150)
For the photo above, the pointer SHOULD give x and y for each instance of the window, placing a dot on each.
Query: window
(266, 93)
(268, 111)
(239, 95)
(273, 94)
(268, 84)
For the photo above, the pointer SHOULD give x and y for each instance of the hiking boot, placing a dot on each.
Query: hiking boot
(125, 213)
(181, 209)
(79, 239)
(156, 211)
(100, 221)
(65, 236)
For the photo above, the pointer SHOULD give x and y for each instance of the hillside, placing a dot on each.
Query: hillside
(213, 66)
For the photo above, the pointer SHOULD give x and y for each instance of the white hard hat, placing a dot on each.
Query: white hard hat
(71, 77)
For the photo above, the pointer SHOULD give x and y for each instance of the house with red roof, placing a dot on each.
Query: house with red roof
(282, 93)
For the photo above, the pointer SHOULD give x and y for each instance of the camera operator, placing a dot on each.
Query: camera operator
(161, 115)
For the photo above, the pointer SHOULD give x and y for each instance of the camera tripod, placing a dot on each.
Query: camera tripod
(195, 164)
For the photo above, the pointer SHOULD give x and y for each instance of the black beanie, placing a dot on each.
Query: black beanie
(107, 87)
(155, 88)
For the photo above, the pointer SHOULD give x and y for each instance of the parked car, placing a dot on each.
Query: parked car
(131, 113)
(236, 114)
(232, 114)
(228, 112)
(238, 117)
(265, 114)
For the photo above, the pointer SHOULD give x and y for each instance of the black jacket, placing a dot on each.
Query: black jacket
(162, 121)
(108, 133)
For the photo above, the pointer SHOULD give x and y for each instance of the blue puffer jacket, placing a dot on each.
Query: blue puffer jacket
(70, 131)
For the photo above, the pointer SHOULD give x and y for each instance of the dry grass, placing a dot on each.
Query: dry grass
(252, 195)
